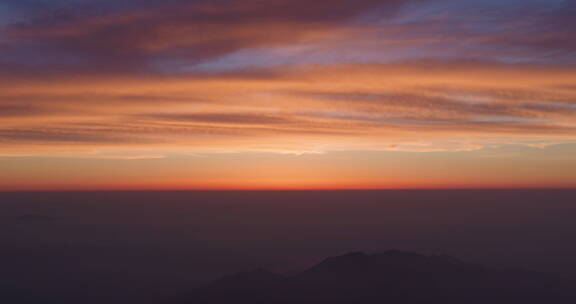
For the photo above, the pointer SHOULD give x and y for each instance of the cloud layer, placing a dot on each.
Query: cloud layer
(279, 75)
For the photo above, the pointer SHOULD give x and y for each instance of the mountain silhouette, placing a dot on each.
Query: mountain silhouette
(390, 277)
(257, 278)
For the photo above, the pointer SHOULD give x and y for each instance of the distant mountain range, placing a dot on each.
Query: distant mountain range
(394, 277)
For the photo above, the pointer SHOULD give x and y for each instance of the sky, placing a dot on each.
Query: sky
(287, 94)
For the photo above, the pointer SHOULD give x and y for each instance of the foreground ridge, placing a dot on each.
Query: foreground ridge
(389, 277)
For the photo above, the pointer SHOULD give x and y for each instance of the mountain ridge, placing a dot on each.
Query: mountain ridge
(393, 276)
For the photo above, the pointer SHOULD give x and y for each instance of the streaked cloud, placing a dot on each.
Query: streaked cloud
(149, 79)
(333, 106)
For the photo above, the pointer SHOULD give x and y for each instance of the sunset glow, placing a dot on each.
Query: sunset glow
(287, 94)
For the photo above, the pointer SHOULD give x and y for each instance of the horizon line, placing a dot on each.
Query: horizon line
(293, 190)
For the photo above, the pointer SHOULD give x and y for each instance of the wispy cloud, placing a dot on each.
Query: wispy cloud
(315, 76)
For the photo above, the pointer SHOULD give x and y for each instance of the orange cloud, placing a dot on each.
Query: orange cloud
(318, 108)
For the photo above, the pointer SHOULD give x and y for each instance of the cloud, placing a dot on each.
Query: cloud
(17, 110)
(302, 108)
(53, 135)
(223, 118)
(549, 30)
(149, 36)
(131, 36)
(284, 75)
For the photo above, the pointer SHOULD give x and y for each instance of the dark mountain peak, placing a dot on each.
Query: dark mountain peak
(395, 252)
(345, 258)
(445, 259)
(398, 256)
(382, 263)
(390, 277)
(254, 278)
(353, 254)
